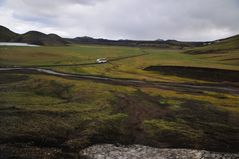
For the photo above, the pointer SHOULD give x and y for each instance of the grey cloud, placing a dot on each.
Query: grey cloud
(134, 19)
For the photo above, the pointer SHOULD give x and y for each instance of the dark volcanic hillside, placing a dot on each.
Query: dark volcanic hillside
(6, 34)
(135, 43)
(38, 38)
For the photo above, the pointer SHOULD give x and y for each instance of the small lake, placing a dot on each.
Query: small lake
(16, 44)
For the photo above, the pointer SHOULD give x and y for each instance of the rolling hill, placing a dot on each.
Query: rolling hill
(6, 34)
(224, 51)
(38, 38)
(226, 45)
(31, 37)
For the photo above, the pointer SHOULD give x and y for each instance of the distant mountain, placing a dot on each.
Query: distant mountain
(6, 34)
(136, 43)
(38, 38)
(159, 40)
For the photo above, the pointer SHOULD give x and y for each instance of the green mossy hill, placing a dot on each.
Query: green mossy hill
(218, 46)
(228, 43)
(6, 34)
(38, 38)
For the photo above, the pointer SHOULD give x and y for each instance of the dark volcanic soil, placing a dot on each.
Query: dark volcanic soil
(200, 73)
(150, 120)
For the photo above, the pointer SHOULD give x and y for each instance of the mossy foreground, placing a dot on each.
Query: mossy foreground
(44, 116)
(45, 112)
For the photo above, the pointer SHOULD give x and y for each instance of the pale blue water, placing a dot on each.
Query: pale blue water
(16, 44)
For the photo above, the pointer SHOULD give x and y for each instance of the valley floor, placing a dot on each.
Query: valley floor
(57, 112)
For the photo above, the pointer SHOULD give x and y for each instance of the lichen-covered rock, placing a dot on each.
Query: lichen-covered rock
(144, 152)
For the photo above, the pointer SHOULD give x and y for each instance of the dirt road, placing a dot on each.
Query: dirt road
(189, 87)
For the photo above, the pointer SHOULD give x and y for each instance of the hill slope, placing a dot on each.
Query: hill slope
(219, 46)
(6, 34)
(38, 38)
(228, 43)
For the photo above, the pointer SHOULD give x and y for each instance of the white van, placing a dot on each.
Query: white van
(101, 60)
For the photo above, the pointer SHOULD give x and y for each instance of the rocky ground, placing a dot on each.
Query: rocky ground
(144, 152)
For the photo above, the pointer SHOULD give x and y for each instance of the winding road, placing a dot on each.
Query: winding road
(189, 87)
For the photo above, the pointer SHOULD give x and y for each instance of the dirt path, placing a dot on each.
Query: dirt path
(85, 64)
(130, 82)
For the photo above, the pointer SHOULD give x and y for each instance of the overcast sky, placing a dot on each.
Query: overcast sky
(124, 19)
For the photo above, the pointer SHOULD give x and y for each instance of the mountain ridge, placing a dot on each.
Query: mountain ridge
(39, 38)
